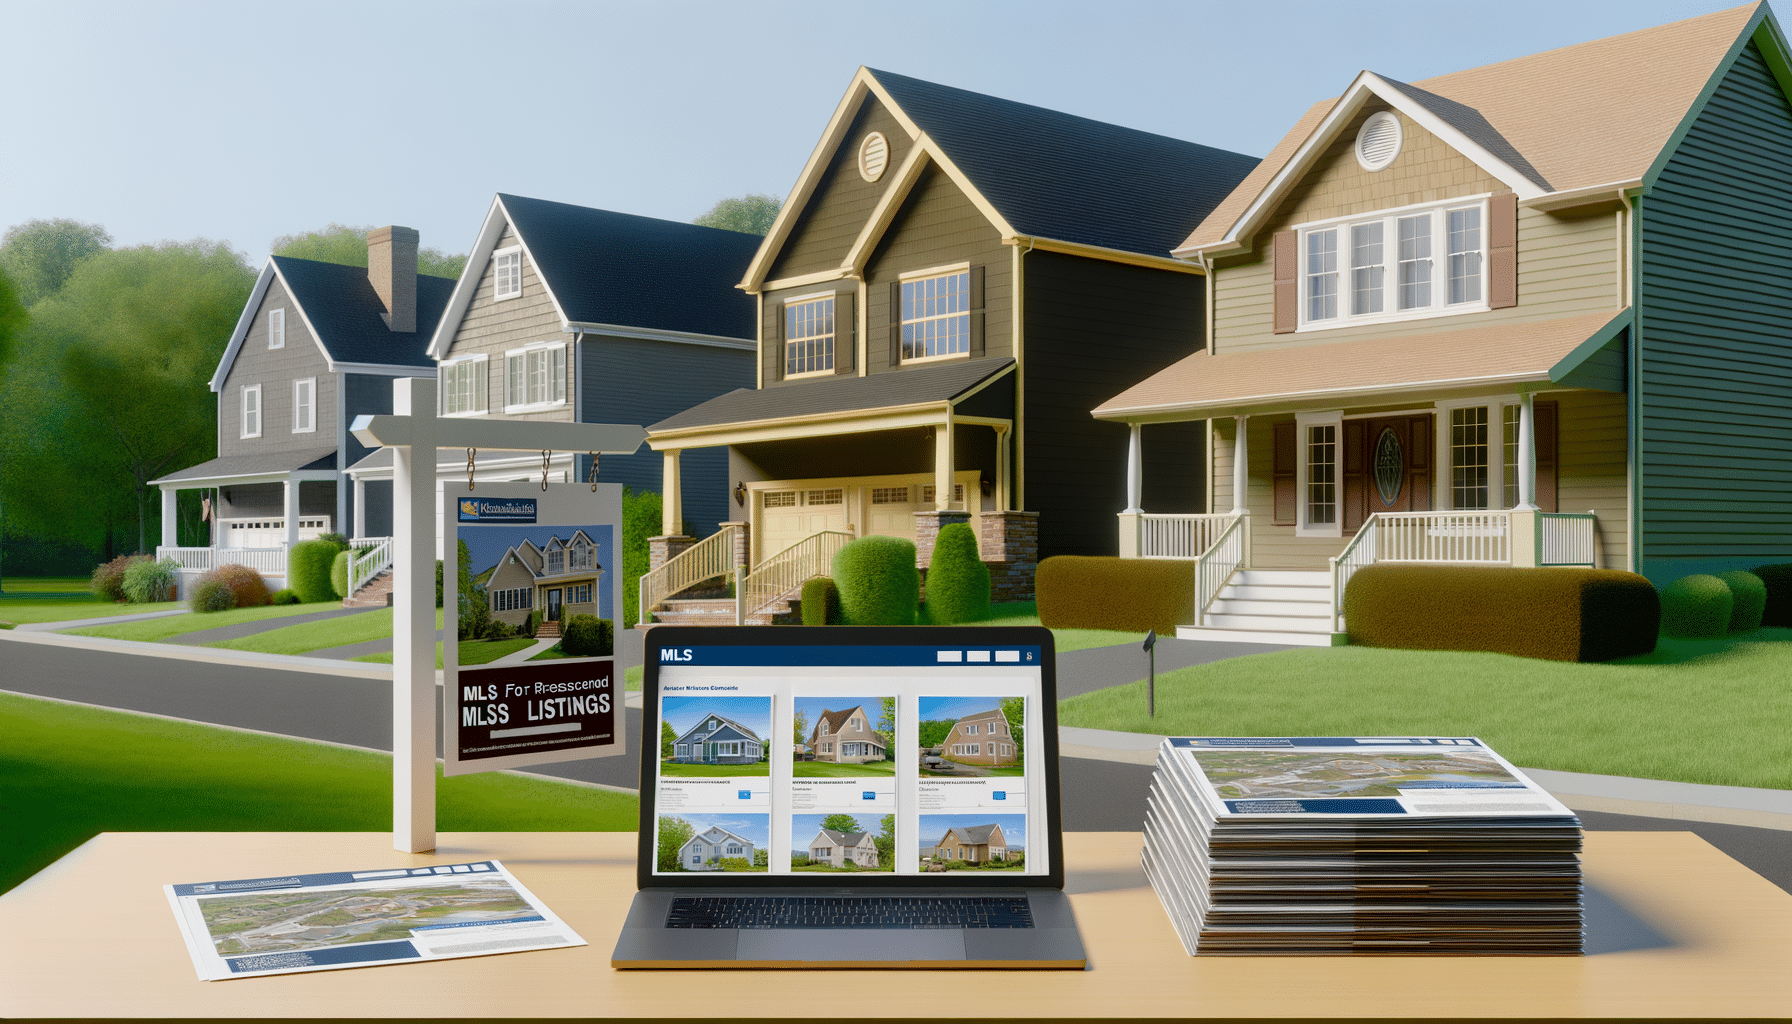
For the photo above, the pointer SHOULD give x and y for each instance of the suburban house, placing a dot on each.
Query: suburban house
(569, 314)
(953, 283)
(705, 850)
(846, 737)
(317, 345)
(982, 738)
(837, 849)
(718, 739)
(1535, 313)
(973, 844)
(560, 578)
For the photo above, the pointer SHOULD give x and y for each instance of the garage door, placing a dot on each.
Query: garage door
(786, 517)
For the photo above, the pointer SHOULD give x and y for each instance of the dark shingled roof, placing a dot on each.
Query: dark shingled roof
(1060, 176)
(938, 383)
(616, 268)
(1468, 121)
(976, 835)
(257, 464)
(347, 313)
(845, 838)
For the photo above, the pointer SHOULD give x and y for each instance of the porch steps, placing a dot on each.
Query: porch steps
(1271, 606)
(547, 630)
(375, 593)
(720, 612)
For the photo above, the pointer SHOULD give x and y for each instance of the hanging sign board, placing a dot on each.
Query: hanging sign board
(541, 564)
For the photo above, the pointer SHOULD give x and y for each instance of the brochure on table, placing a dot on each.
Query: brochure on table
(245, 927)
(556, 552)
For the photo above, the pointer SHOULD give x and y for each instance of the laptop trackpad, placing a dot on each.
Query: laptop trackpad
(859, 944)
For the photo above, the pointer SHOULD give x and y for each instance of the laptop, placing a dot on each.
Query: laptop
(849, 797)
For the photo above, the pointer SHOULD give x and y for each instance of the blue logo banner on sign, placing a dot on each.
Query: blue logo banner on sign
(497, 510)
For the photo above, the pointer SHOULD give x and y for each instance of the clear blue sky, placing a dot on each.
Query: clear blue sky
(245, 122)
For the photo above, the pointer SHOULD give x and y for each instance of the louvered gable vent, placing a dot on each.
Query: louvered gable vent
(1378, 142)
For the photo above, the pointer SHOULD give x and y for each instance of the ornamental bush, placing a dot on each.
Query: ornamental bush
(1128, 594)
(108, 579)
(1748, 599)
(249, 589)
(148, 580)
(1777, 578)
(1696, 607)
(533, 626)
(821, 602)
(498, 629)
(308, 570)
(285, 595)
(337, 539)
(339, 572)
(210, 594)
(878, 582)
(587, 636)
(957, 579)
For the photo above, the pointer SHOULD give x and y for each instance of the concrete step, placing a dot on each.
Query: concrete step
(1262, 636)
(375, 593)
(1228, 604)
(1275, 592)
(1291, 623)
(1284, 577)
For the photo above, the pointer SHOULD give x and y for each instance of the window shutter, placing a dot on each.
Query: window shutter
(1356, 475)
(1286, 256)
(976, 312)
(1283, 471)
(846, 324)
(895, 323)
(1502, 250)
(481, 371)
(1544, 431)
(774, 341)
(557, 370)
(1422, 437)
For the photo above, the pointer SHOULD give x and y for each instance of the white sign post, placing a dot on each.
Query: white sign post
(414, 432)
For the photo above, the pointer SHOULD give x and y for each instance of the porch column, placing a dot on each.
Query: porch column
(1001, 469)
(1527, 455)
(671, 498)
(292, 512)
(360, 507)
(1241, 468)
(942, 465)
(168, 533)
(1134, 470)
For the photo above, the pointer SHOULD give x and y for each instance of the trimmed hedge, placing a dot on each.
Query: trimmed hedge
(533, 626)
(878, 582)
(107, 583)
(1748, 597)
(1777, 578)
(285, 595)
(339, 572)
(821, 602)
(587, 636)
(957, 579)
(1128, 594)
(308, 570)
(148, 580)
(1560, 614)
(1696, 607)
(250, 590)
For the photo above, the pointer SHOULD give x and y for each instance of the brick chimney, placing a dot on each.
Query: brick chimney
(392, 269)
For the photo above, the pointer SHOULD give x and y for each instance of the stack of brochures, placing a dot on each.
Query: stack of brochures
(1404, 845)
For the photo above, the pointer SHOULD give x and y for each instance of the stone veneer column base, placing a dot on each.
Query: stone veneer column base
(1009, 543)
(743, 544)
(663, 549)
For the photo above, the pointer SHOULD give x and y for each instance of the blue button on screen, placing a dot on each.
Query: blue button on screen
(868, 795)
(746, 794)
(1000, 794)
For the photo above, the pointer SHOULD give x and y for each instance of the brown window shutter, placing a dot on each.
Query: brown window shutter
(1356, 475)
(895, 323)
(1502, 250)
(976, 312)
(1424, 436)
(1543, 429)
(1286, 256)
(846, 324)
(1283, 471)
(774, 341)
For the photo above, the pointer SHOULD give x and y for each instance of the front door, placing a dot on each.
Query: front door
(554, 605)
(1387, 467)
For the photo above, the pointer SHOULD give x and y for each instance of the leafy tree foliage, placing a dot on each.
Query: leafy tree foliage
(800, 726)
(933, 733)
(667, 738)
(886, 725)
(1014, 710)
(886, 840)
(12, 322)
(674, 833)
(340, 243)
(41, 255)
(750, 214)
(842, 823)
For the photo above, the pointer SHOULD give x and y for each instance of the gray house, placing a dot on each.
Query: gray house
(837, 849)
(705, 850)
(317, 345)
(718, 739)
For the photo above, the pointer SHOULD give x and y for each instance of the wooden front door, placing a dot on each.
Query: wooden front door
(1388, 467)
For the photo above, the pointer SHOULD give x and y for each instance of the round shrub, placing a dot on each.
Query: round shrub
(210, 594)
(339, 572)
(250, 589)
(1748, 598)
(587, 636)
(957, 579)
(821, 602)
(498, 629)
(1696, 607)
(308, 570)
(148, 580)
(878, 582)
(533, 626)
(285, 595)
(108, 579)
(337, 539)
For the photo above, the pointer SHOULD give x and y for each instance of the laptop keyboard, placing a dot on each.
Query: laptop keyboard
(850, 912)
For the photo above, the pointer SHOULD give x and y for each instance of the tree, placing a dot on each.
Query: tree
(886, 726)
(41, 255)
(12, 323)
(674, 833)
(340, 243)
(474, 613)
(667, 738)
(841, 823)
(750, 214)
(934, 732)
(800, 726)
(886, 840)
(1014, 709)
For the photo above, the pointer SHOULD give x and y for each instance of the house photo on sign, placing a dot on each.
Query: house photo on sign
(531, 595)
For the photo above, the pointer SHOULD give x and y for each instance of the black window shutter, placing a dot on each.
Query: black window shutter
(774, 341)
(976, 312)
(895, 323)
(846, 323)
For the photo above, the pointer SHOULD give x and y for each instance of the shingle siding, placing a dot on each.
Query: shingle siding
(275, 370)
(493, 327)
(843, 201)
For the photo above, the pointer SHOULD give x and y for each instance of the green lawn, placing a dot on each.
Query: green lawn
(1026, 613)
(674, 770)
(1704, 711)
(72, 772)
(155, 630)
(827, 770)
(60, 586)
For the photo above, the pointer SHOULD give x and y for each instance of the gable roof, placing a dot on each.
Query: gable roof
(1583, 121)
(619, 273)
(720, 718)
(707, 833)
(835, 719)
(979, 716)
(1035, 173)
(976, 835)
(344, 314)
(927, 385)
(846, 838)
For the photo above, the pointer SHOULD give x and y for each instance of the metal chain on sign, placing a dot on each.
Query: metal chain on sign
(593, 471)
(471, 452)
(544, 468)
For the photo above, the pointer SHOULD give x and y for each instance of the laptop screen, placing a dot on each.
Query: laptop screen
(849, 756)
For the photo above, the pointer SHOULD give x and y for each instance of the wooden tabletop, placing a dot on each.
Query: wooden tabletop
(1675, 928)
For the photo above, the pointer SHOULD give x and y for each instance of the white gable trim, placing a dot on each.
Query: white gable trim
(269, 272)
(925, 152)
(496, 220)
(655, 334)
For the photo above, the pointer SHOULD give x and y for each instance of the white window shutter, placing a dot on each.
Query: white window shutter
(481, 372)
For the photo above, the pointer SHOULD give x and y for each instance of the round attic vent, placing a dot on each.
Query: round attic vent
(1378, 143)
(874, 155)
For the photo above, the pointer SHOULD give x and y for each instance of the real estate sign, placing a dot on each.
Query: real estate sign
(531, 587)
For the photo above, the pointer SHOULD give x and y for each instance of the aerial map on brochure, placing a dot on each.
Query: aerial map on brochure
(1242, 774)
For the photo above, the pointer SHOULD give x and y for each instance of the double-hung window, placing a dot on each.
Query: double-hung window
(251, 418)
(463, 384)
(1481, 440)
(1318, 444)
(304, 405)
(507, 273)
(535, 377)
(936, 315)
(809, 336)
(276, 328)
(1402, 264)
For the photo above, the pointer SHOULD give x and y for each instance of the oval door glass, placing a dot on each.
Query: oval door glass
(1390, 466)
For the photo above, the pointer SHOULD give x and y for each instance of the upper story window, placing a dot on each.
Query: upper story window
(1399, 265)
(463, 385)
(556, 561)
(251, 419)
(936, 315)
(507, 273)
(304, 405)
(579, 554)
(535, 377)
(276, 328)
(809, 336)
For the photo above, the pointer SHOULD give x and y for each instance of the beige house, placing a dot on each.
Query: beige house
(846, 737)
(838, 849)
(560, 578)
(972, 844)
(983, 738)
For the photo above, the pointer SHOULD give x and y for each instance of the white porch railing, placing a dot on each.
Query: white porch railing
(1453, 538)
(1180, 536)
(1567, 538)
(268, 561)
(785, 571)
(362, 568)
(705, 560)
(1217, 562)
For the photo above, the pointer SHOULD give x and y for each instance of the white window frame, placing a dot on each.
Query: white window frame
(1344, 271)
(832, 338)
(1333, 418)
(553, 386)
(507, 273)
(1444, 457)
(936, 273)
(477, 373)
(277, 328)
(244, 411)
(299, 387)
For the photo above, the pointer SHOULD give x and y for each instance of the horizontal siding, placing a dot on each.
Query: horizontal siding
(494, 327)
(1716, 348)
(843, 201)
(275, 370)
